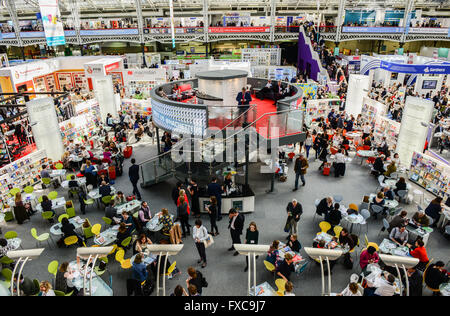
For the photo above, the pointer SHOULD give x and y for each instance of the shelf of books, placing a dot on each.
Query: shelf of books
(390, 129)
(372, 109)
(321, 107)
(85, 123)
(135, 106)
(431, 173)
(22, 172)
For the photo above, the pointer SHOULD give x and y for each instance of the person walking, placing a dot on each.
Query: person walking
(251, 238)
(133, 173)
(182, 214)
(294, 210)
(200, 234)
(214, 189)
(301, 164)
(212, 211)
(236, 225)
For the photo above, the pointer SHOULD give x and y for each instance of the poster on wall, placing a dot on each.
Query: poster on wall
(51, 19)
(309, 89)
(4, 62)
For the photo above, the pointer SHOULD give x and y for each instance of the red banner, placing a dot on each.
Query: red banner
(252, 29)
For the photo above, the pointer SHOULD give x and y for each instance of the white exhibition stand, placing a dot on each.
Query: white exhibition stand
(45, 127)
(358, 88)
(104, 93)
(413, 134)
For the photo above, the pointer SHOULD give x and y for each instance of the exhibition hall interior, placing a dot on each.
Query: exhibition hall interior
(224, 148)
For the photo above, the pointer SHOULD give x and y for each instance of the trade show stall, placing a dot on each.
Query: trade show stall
(143, 80)
(372, 110)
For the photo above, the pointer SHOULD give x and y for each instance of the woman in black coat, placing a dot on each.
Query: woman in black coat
(212, 211)
(434, 210)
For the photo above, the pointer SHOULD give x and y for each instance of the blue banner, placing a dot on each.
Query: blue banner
(439, 69)
(371, 29)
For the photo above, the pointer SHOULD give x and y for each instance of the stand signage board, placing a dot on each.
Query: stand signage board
(262, 29)
(413, 134)
(51, 19)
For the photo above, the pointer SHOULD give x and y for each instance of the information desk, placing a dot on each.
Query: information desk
(242, 200)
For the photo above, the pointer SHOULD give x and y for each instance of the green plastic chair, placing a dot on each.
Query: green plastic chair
(9, 216)
(48, 215)
(6, 260)
(46, 181)
(89, 202)
(11, 234)
(59, 166)
(59, 293)
(7, 274)
(40, 199)
(69, 177)
(126, 242)
(60, 218)
(40, 238)
(107, 220)
(37, 286)
(14, 191)
(106, 199)
(53, 267)
(87, 231)
(28, 189)
(70, 211)
(53, 195)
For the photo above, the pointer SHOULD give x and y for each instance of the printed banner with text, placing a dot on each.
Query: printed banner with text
(51, 19)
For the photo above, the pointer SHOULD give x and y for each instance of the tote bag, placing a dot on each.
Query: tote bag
(209, 241)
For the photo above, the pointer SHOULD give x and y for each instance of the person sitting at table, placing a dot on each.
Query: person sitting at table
(400, 185)
(378, 166)
(85, 154)
(44, 172)
(368, 256)
(434, 210)
(386, 287)
(26, 286)
(379, 200)
(167, 222)
(273, 253)
(141, 244)
(419, 252)
(139, 268)
(346, 239)
(399, 235)
(144, 214)
(68, 229)
(286, 267)
(398, 221)
(334, 216)
(119, 199)
(396, 159)
(5, 247)
(421, 219)
(351, 290)
(388, 193)
(435, 276)
(65, 159)
(111, 210)
(103, 177)
(128, 220)
(22, 211)
(90, 174)
(122, 234)
(104, 190)
(45, 289)
(367, 141)
(391, 168)
(293, 243)
(325, 206)
(73, 183)
(415, 281)
(47, 205)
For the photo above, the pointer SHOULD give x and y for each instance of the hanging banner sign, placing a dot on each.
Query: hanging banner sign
(51, 19)
(440, 69)
(262, 29)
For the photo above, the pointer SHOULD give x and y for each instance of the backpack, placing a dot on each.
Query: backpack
(203, 281)
(148, 287)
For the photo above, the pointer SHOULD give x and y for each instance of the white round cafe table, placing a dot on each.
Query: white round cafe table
(4, 291)
(15, 243)
(445, 289)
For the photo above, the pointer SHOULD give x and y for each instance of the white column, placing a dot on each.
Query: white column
(412, 133)
(358, 87)
(45, 126)
(104, 92)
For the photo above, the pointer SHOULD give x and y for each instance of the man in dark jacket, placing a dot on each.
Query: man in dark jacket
(214, 189)
(236, 225)
(133, 173)
(300, 167)
(294, 210)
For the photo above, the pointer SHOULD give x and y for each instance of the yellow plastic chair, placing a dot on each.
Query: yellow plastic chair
(53, 195)
(53, 267)
(71, 240)
(324, 227)
(337, 231)
(59, 166)
(60, 218)
(366, 240)
(14, 191)
(28, 189)
(171, 268)
(69, 176)
(124, 263)
(269, 266)
(353, 206)
(113, 250)
(96, 229)
(372, 244)
(281, 284)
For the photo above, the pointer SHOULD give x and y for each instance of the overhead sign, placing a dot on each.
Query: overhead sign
(51, 19)
(101, 67)
(371, 29)
(439, 69)
(262, 29)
